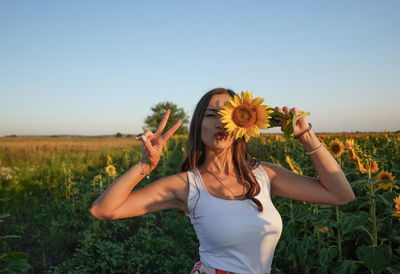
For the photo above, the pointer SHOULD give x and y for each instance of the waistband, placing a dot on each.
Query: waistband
(200, 268)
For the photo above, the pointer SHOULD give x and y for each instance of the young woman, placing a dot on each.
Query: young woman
(226, 196)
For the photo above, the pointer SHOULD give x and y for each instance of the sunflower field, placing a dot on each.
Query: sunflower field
(47, 186)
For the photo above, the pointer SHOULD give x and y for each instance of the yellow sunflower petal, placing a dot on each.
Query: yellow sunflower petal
(250, 97)
(257, 101)
(245, 116)
(245, 97)
(239, 133)
(236, 101)
(254, 131)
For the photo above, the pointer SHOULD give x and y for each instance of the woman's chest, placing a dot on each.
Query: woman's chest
(223, 223)
(227, 190)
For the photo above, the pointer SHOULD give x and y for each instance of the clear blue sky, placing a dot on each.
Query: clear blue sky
(97, 67)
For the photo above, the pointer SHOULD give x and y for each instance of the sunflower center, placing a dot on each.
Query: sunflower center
(336, 148)
(384, 177)
(243, 116)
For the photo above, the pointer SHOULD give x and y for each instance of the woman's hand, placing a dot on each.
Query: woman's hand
(152, 143)
(301, 123)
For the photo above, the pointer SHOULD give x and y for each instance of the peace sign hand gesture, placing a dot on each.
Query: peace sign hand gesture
(152, 143)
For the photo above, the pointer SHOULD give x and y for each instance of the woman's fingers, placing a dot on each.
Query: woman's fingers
(279, 110)
(163, 123)
(171, 131)
(286, 110)
(281, 119)
(147, 144)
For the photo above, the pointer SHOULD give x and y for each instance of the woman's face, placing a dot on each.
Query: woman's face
(213, 133)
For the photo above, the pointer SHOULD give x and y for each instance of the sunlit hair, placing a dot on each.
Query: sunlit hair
(196, 148)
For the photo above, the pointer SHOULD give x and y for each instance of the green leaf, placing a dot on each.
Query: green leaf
(347, 266)
(288, 131)
(17, 266)
(389, 196)
(274, 123)
(395, 269)
(395, 170)
(307, 243)
(327, 255)
(10, 237)
(8, 257)
(277, 113)
(383, 199)
(361, 181)
(383, 181)
(376, 258)
(4, 215)
(353, 222)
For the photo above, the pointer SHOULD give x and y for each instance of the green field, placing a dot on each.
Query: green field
(47, 186)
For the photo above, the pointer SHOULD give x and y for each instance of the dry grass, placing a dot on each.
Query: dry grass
(28, 149)
(36, 144)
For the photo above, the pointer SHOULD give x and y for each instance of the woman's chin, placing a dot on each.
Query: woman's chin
(221, 143)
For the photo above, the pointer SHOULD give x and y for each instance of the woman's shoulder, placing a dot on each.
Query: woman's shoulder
(178, 182)
(270, 168)
(179, 185)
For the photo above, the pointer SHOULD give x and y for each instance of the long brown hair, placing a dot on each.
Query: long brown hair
(196, 148)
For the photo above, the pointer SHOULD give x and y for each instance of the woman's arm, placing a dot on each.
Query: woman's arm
(119, 192)
(331, 187)
(119, 201)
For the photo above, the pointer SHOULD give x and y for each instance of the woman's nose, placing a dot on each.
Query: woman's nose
(218, 123)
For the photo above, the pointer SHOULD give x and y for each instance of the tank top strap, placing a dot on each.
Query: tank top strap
(195, 189)
(263, 179)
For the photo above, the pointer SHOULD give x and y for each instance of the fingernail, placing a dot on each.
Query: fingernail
(144, 138)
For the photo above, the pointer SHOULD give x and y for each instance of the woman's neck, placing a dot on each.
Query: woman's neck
(219, 161)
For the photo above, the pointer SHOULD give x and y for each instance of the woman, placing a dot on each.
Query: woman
(226, 196)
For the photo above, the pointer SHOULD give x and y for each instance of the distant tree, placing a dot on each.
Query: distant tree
(177, 114)
(118, 135)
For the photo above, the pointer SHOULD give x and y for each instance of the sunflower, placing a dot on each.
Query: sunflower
(384, 175)
(352, 146)
(336, 148)
(360, 165)
(109, 160)
(293, 166)
(388, 178)
(110, 170)
(374, 167)
(396, 213)
(279, 138)
(244, 116)
(323, 229)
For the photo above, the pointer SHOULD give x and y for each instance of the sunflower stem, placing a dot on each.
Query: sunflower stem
(339, 234)
(373, 211)
(291, 216)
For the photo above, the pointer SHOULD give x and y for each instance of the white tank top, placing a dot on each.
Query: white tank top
(233, 234)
